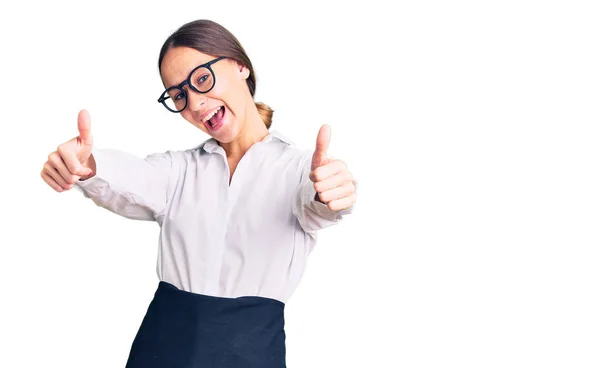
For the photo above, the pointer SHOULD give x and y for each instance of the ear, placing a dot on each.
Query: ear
(244, 71)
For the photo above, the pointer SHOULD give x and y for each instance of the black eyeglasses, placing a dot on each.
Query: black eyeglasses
(201, 80)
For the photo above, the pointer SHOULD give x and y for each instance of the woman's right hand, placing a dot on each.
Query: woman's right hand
(72, 160)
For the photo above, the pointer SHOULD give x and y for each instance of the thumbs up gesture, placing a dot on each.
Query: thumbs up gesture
(72, 160)
(333, 182)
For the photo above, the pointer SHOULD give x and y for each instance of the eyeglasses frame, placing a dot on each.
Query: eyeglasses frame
(188, 82)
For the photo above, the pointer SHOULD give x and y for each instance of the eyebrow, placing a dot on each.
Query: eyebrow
(178, 85)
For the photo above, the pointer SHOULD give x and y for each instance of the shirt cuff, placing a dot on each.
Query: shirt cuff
(307, 195)
(95, 182)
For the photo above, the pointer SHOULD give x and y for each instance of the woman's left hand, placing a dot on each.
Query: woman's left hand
(334, 184)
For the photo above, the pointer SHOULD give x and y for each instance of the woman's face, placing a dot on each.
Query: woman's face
(230, 92)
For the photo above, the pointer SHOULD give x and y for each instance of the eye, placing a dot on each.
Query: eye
(202, 79)
(177, 95)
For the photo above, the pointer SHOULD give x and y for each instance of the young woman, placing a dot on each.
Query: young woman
(238, 215)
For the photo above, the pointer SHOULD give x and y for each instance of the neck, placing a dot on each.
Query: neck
(253, 130)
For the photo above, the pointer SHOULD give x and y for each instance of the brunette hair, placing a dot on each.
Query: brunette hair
(212, 38)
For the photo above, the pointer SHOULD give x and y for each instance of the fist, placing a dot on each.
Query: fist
(72, 160)
(333, 182)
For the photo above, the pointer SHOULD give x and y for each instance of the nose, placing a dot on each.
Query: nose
(195, 100)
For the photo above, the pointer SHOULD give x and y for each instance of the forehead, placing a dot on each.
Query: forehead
(178, 62)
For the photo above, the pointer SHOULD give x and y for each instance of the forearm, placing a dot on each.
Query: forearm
(127, 185)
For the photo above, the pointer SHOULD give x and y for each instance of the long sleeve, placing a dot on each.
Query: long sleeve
(130, 186)
(312, 214)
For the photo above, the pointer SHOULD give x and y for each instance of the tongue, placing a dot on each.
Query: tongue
(217, 117)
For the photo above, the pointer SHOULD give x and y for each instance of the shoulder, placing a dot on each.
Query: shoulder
(183, 154)
(288, 148)
(284, 149)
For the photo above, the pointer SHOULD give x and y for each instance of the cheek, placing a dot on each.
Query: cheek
(187, 115)
(229, 91)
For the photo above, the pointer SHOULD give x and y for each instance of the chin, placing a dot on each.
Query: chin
(226, 134)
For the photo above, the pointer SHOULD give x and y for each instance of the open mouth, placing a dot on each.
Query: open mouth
(215, 121)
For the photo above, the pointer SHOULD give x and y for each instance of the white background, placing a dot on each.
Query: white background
(472, 127)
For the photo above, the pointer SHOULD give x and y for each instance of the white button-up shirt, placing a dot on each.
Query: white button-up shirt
(248, 238)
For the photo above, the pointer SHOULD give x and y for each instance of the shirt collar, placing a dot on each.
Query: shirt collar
(211, 145)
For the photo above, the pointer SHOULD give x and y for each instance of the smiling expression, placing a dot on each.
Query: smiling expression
(230, 92)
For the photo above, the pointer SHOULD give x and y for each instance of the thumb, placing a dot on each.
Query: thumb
(84, 127)
(323, 139)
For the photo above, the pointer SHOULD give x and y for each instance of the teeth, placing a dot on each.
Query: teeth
(210, 115)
